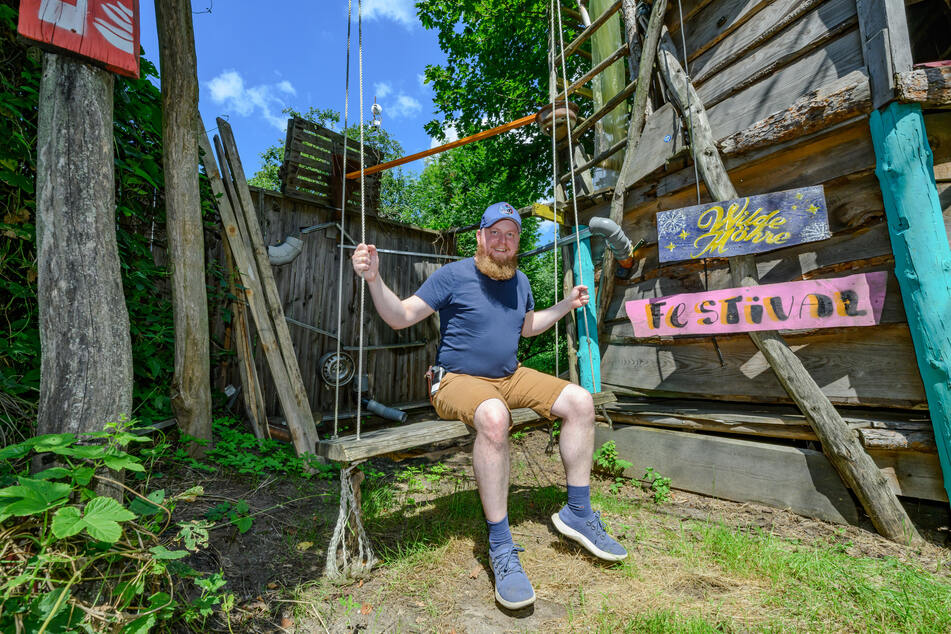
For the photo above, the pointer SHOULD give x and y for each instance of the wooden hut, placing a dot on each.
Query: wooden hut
(789, 89)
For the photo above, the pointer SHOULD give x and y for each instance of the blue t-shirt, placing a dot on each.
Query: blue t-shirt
(480, 319)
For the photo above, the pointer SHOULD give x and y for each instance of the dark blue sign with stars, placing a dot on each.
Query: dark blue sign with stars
(744, 225)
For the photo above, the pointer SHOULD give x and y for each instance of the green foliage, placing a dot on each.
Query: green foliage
(76, 561)
(140, 233)
(658, 484)
(236, 514)
(607, 461)
(237, 449)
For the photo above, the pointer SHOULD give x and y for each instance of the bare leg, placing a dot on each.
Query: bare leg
(490, 457)
(576, 410)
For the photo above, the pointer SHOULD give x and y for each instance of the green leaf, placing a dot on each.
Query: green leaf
(161, 552)
(46, 608)
(142, 508)
(49, 442)
(31, 497)
(83, 475)
(12, 452)
(122, 460)
(243, 524)
(102, 517)
(53, 473)
(141, 625)
(67, 522)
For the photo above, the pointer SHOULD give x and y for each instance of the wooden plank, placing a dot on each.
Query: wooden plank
(300, 419)
(811, 32)
(775, 93)
(605, 110)
(764, 25)
(661, 140)
(388, 440)
(861, 366)
(594, 72)
(931, 87)
(911, 473)
(716, 21)
(800, 480)
(819, 109)
(588, 32)
(886, 46)
(877, 430)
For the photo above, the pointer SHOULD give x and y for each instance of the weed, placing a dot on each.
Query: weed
(658, 484)
(607, 461)
(236, 514)
(96, 556)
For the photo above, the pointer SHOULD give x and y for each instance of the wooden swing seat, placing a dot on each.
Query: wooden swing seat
(391, 439)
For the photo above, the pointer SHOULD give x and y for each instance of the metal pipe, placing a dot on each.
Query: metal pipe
(413, 253)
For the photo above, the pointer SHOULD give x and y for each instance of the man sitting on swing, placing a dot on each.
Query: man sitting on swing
(485, 304)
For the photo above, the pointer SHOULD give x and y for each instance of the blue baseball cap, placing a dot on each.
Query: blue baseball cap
(500, 211)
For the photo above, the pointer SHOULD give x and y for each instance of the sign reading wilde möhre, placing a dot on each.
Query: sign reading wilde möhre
(105, 31)
(855, 300)
(742, 226)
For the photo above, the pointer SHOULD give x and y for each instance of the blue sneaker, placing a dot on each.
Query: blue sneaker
(512, 587)
(590, 533)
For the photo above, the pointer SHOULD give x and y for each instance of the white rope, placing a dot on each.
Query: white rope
(343, 218)
(363, 224)
(574, 196)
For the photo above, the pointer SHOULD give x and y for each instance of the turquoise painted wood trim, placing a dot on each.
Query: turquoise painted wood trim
(905, 170)
(589, 354)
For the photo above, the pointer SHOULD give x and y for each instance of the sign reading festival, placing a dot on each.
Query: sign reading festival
(105, 31)
(855, 300)
(742, 226)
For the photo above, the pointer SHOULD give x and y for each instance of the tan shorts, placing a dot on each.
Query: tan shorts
(459, 395)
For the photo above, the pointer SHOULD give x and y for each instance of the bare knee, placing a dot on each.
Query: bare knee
(492, 421)
(574, 404)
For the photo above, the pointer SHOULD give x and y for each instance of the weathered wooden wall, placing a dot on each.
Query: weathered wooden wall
(787, 94)
(308, 289)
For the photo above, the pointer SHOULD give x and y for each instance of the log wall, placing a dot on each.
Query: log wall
(787, 94)
(308, 290)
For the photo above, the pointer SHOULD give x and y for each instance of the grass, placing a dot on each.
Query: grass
(683, 575)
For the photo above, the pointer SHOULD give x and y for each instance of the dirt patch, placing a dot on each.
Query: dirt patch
(431, 538)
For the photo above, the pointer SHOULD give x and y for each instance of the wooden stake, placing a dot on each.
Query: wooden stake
(839, 443)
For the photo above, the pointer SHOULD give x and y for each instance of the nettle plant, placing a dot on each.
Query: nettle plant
(75, 561)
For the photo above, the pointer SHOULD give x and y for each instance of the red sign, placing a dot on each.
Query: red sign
(106, 31)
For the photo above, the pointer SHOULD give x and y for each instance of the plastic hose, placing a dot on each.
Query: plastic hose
(381, 410)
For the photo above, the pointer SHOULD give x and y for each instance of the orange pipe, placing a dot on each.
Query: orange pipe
(485, 134)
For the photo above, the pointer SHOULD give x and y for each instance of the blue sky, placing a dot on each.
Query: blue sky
(255, 58)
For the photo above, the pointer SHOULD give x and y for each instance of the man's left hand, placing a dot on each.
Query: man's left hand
(578, 296)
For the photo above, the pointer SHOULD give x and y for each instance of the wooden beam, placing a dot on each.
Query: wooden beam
(922, 257)
(594, 72)
(635, 127)
(584, 92)
(886, 46)
(599, 114)
(931, 87)
(850, 460)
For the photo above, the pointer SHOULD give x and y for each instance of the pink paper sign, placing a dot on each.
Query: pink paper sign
(855, 300)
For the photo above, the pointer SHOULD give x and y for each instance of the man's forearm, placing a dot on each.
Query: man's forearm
(545, 319)
(387, 304)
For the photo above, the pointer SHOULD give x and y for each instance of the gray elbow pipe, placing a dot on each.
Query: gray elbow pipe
(613, 235)
(285, 252)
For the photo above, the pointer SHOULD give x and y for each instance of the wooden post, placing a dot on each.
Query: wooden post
(638, 116)
(589, 354)
(86, 362)
(840, 445)
(905, 169)
(191, 386)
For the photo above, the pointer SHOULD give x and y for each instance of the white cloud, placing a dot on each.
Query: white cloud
(421, 78)
(382, 89)
(405, 106)
(228, 89)
(450, 133)
(402, 11)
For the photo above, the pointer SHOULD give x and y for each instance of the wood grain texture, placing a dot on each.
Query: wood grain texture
(800, 480)
(931, 87)
(86, 360)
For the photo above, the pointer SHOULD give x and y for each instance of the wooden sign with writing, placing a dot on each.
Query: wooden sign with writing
(855, 300)
(105, 31)
(743, 225)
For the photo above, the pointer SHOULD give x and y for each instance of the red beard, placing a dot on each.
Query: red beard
(496, 269)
